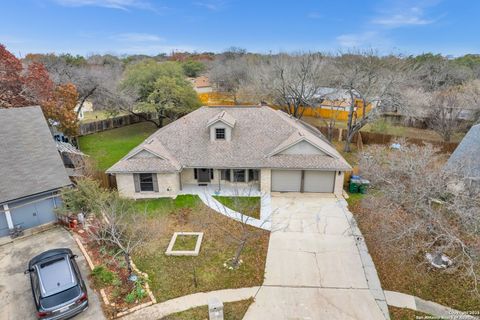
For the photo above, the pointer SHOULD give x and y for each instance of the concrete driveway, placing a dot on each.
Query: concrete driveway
(15, 293)
(313, 269)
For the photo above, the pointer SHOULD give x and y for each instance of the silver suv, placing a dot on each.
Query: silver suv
(57, 285)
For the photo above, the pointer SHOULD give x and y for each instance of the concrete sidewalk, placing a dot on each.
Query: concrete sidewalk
(160, 310)
(314, 268)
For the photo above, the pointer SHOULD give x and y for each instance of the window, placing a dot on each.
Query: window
(239, 175)
(226, 174)
(146, 182)
(253, 175)
(220, 133)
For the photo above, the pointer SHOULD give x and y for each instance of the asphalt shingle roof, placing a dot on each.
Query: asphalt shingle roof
(29, 160)
(257, 133)
(466, 157)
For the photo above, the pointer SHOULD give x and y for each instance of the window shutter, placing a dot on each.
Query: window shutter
(195, 174)
(211, 174)
(155, 182)
(136, 182)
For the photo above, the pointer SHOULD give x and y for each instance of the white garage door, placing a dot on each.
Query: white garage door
(286, 180)
(319, 181)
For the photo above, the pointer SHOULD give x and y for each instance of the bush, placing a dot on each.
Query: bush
(138, 293)
(103, 277)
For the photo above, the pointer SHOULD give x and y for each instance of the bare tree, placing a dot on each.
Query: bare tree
(289, 81)
(416, 210)
(370, 80)
(228, 74)
(119, 225)
(249, 228)
(445, 112)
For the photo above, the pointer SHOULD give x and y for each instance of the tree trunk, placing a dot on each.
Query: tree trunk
(129, 265)
(239, 251)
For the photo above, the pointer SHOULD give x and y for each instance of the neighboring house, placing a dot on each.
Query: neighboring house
(465, 160)
(255, 146)
(201, 84)
(87, 107)
(31, 170)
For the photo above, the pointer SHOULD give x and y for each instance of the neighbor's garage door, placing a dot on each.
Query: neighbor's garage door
(319, 181)
(3, 224)
(29, 215)
(286, 180)
(313, 181)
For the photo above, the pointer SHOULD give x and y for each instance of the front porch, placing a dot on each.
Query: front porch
(231, 190)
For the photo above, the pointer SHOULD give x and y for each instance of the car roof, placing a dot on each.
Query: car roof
(55, 274)
(47, 254)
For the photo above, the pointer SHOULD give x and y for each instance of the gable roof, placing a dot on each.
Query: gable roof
(259, 131)
(224, 117)
(29, 161)
(466, 157)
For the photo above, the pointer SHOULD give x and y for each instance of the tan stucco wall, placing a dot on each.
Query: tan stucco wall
(126, 186)
(338, 183)
(265, 180)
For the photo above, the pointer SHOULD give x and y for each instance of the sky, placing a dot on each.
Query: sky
(448, 27)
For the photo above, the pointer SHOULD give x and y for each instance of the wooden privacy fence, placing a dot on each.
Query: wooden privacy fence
(380, 138)
(106, 181)
(111, 123)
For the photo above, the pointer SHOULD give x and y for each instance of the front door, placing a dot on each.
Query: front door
(203, 175)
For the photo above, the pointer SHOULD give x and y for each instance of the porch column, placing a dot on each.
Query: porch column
(8, 216)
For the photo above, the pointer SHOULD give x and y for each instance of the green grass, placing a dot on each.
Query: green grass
(162, 206)
(185, 243)
(354, 198)
(175, 276)
(249, 206)
(231, 311)
(107, 147)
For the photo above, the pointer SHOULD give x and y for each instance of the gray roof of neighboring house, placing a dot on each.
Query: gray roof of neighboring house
(29, 160)
(259, 133)
(466, 157)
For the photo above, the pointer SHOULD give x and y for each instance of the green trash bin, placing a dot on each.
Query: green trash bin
(354, 185)
(362, 188)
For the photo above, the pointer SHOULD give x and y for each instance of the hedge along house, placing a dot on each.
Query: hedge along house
(258, 147)
(31, 170)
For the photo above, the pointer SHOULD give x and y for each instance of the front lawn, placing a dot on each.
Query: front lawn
(231, 311)
(162, 206)
(107, 147)
(249, 206)
(175, 276)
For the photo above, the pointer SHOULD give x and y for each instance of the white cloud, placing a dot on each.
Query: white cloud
(413, 16)
(353, 40)
(113, 4)
(154, 49)
(314, 15)
(212, 5)
(137, 37)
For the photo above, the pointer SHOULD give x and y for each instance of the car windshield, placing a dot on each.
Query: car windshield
(60, 298)
(55, 275)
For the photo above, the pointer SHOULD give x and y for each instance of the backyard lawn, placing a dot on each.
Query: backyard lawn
(231, 311)
(107, 147)
(175, 276)
(249, 206)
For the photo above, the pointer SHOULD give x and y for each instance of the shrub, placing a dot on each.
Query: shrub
(103, 277)
(138, 293)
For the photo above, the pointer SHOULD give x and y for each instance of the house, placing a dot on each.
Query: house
(256, 146)
(87, 107)
(465, 160)
(335, 103)
(201, 84)
(31, 170)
